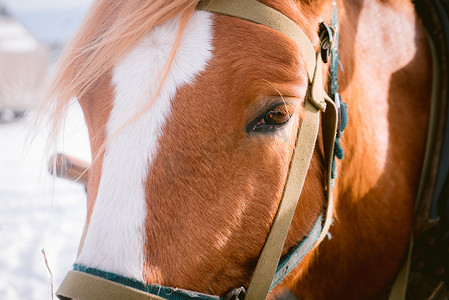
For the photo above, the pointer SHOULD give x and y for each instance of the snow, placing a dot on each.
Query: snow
(50, 21)
(37, 211)
(33, 5)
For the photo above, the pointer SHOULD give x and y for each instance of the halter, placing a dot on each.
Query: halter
(89, 283)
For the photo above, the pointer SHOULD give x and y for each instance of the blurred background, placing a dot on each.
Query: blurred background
(37, 211)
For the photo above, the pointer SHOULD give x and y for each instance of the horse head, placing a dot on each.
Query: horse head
(193, 119)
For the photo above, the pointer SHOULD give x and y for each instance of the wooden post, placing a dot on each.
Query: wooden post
(69, 167)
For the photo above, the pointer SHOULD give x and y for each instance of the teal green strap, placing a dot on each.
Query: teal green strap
(294, 257)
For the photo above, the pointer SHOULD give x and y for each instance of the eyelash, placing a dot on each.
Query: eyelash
(267, 122)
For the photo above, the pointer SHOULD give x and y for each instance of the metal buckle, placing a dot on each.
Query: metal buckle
(236, 294)
(326, 39)
(337, 101)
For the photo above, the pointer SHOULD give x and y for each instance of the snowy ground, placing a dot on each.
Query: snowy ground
(36, 211)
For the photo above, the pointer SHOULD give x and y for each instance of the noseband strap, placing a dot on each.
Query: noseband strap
(80, 285)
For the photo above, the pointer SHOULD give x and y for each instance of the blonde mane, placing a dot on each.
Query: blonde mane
(111, 29)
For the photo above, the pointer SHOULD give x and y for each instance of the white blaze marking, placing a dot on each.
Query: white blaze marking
(115, 237)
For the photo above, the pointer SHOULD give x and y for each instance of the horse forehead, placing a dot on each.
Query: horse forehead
(145, 65)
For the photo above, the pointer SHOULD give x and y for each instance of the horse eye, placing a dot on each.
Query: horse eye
(272, 119)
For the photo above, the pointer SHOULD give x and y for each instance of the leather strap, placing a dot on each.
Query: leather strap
(272, 250)
(80, 285)
(305, 145)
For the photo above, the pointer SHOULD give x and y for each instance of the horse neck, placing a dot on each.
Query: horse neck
(385, 79)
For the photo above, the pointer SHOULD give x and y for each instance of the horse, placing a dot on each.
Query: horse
(193, 117)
